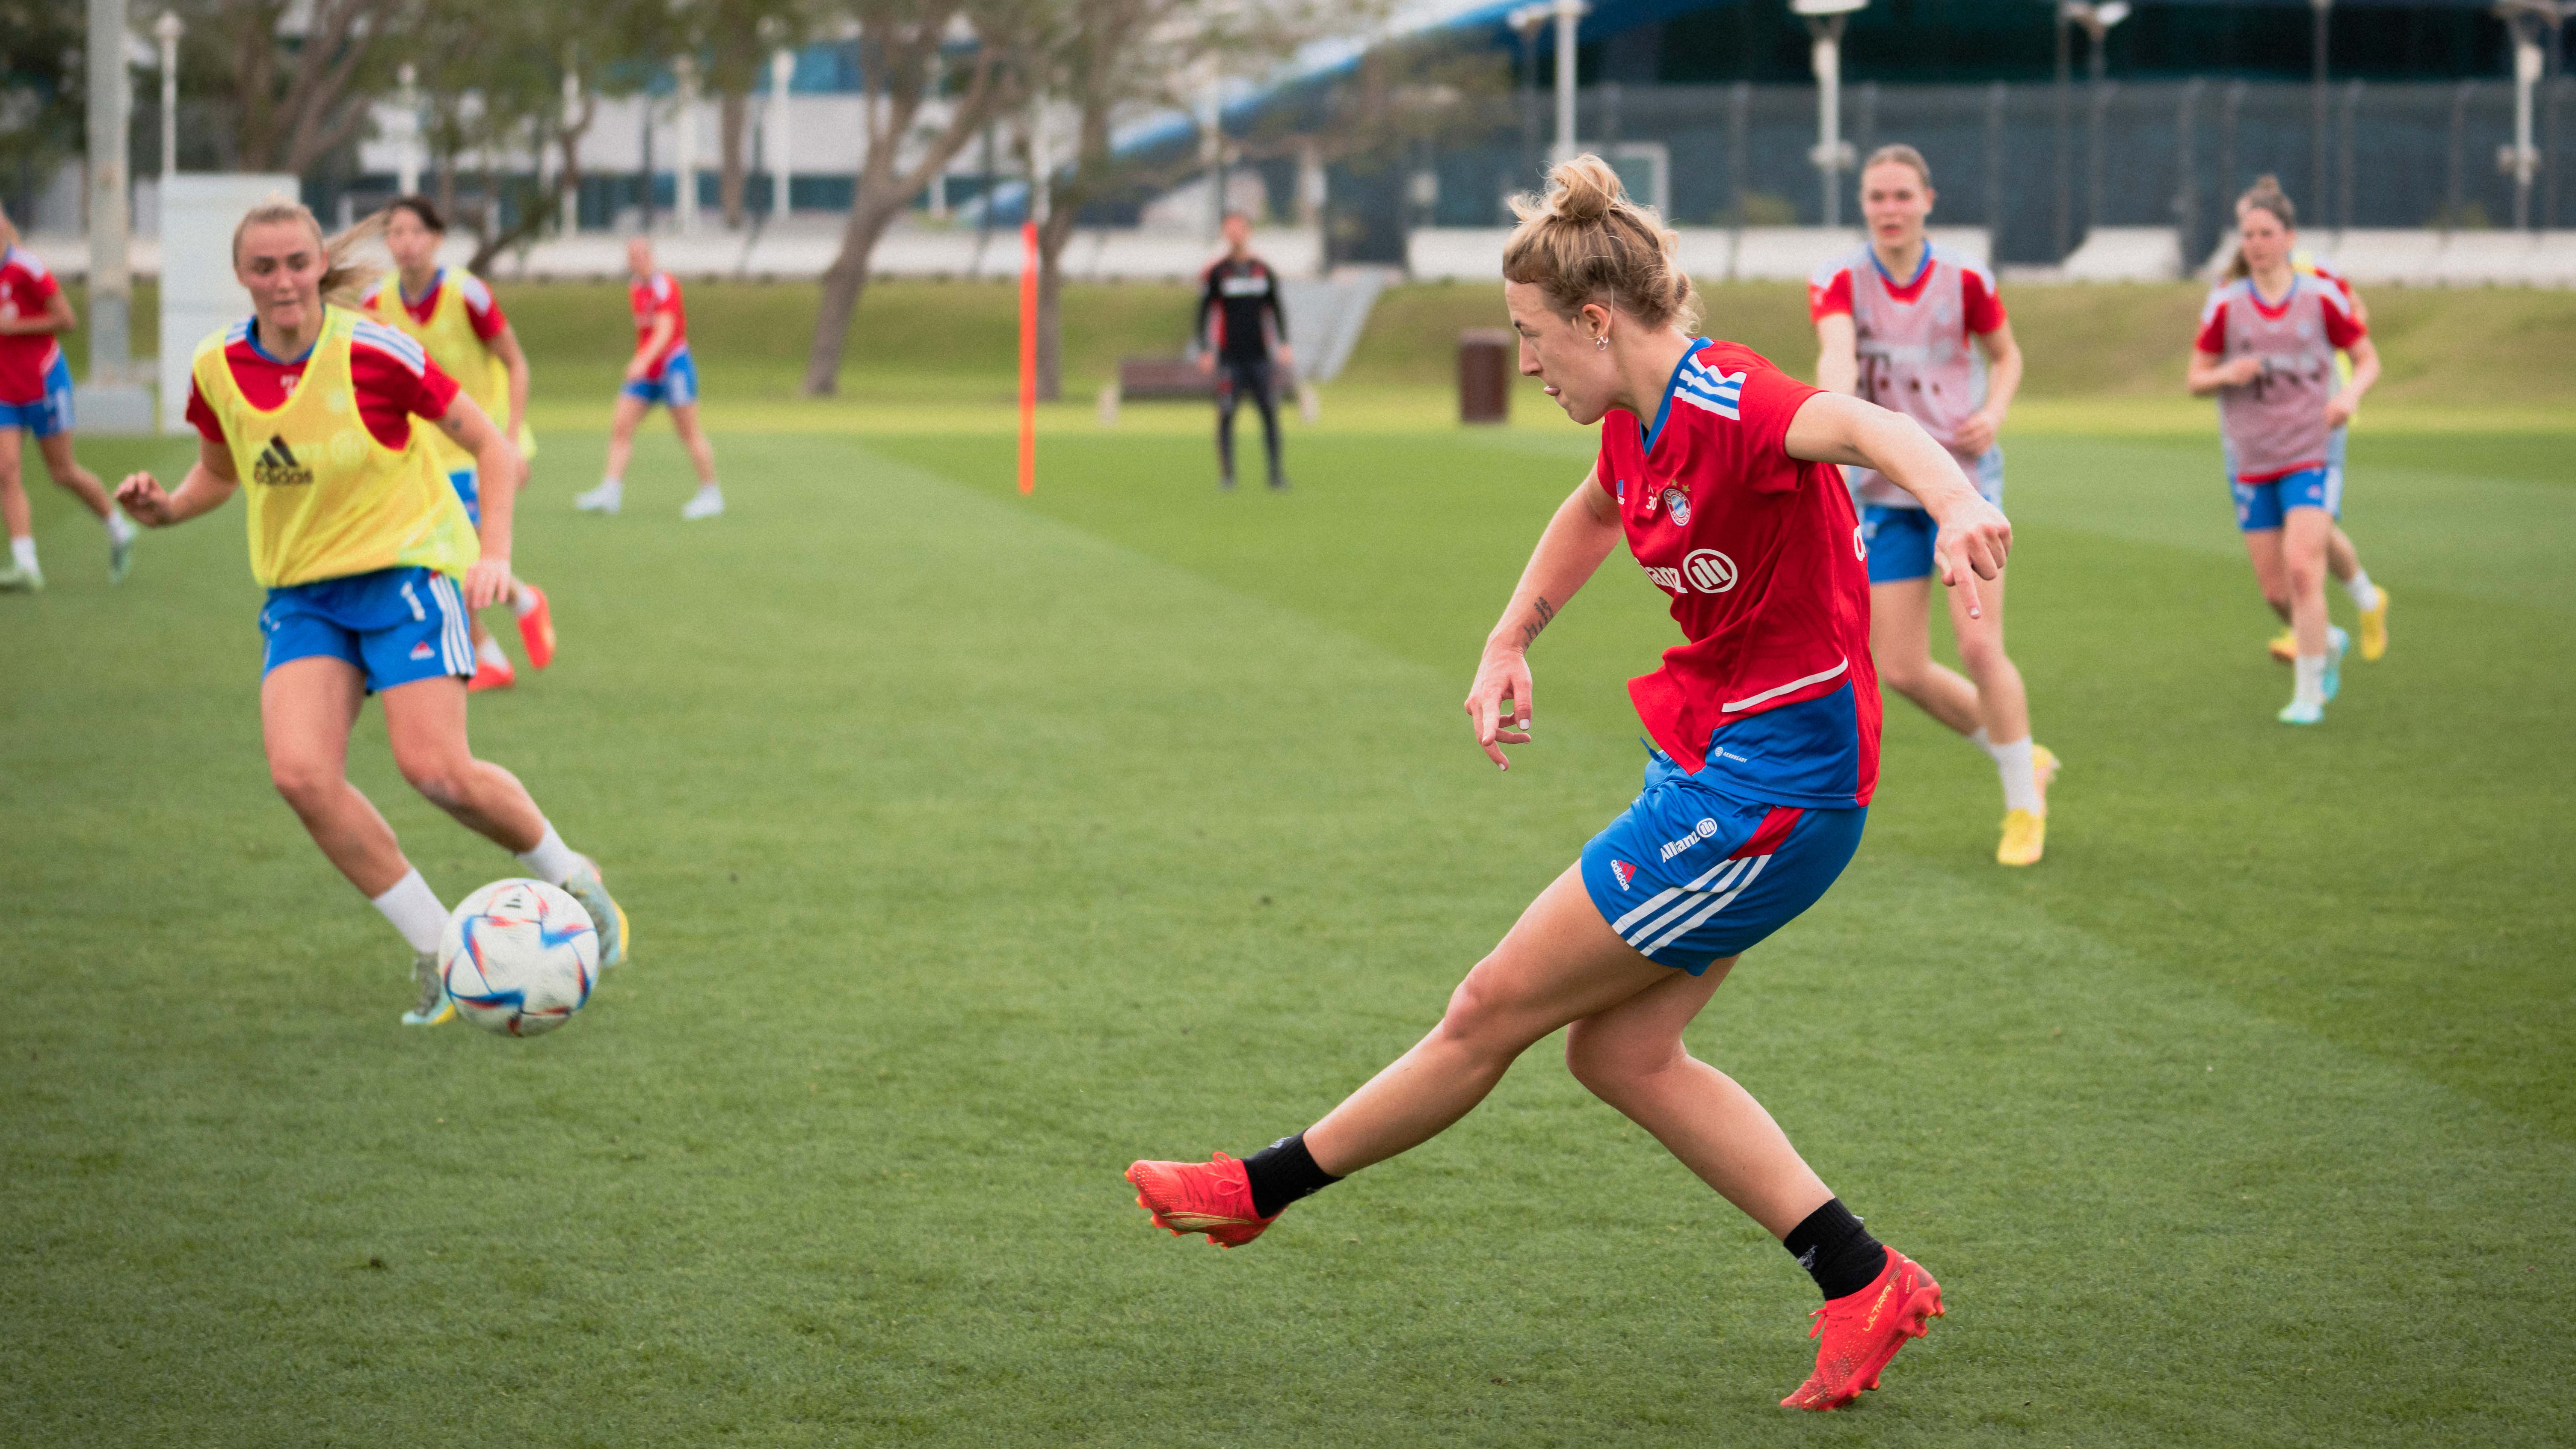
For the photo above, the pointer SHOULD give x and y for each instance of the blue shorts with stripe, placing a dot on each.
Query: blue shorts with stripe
(1899, 540)
(50, 413)
(676, 387)
(2267, 504)
(469, 493)
(1689, 877)
(396, 625)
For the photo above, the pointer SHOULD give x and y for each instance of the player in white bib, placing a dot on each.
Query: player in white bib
(2267, 349)
(1913, 326)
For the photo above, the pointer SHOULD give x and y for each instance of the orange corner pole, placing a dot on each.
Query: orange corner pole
(1028, 356)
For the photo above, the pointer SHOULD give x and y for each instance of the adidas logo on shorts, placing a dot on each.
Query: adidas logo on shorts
(1624, 871)
(420, 650)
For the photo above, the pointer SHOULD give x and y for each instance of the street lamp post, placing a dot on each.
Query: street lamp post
(110, 280)
(407, 142)
(1527, 22)
(2321, 9)
(782, 71)
(1832, 155)
(684, 162)
(2528, 20)
(167, 31)
(1569, 14)
(2097, 20)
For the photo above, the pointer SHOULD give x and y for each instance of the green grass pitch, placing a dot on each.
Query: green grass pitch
(976, 845)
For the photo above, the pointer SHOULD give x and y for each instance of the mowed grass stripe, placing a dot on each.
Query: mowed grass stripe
(948, 831)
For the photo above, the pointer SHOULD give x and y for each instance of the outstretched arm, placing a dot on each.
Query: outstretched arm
(1584, 530)
(497, 468)
(210, 481)
(514, 361)
(1838, 354)
(57, 317)
(1974, 536)
(2003, 379)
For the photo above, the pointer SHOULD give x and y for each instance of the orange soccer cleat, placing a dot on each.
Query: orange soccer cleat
(1862, 1331)
(488, 675)
(1212, 1197)
(537, 631)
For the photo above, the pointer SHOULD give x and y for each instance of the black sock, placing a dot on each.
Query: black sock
(1283, 1172)
(1832, 1245)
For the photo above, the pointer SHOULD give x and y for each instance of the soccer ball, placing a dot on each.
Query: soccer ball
(519, 957)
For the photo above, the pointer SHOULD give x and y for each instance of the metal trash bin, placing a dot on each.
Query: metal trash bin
(1485, 357)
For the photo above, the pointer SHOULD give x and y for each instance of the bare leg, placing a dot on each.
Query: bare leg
(2342, 560)
(2003, 705)
(684, 420)
(74, 479)
(1900, 644)
(2271, 572)
(2303, 552)
(621, 433)
(14, 511)
(1631, 1056)
(474, 626)
(426, 720)
(306, 707)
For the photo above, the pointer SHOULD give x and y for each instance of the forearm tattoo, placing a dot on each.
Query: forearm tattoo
(1530, 631)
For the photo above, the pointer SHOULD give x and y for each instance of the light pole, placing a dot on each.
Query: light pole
(407, 144)
(1568, 13)
(2097, 20)
(782, 70)
(1526, 22)
(111, 286)
(167, 31)
(1833, 154)
(2528, 20)
(684, 161)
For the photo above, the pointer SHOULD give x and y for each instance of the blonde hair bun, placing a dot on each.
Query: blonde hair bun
(1584, 241)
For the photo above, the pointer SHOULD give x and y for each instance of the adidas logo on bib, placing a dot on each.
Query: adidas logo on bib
(277, 467)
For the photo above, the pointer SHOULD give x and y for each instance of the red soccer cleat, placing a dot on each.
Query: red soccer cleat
(491, 676)
(537, 631)
(1212, 1197)
(1862, 1331)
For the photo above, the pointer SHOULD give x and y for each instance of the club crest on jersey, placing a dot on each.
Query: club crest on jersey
(1677, 503)
(1624, 871)
(277, 467)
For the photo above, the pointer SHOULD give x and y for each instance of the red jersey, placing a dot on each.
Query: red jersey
(1773, 699)
(26, 290)
(394, 379)
(482, 310)
(651, 298)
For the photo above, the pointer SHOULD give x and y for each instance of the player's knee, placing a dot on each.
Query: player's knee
(1480, 1016)
(305, 786)
(1613, 1065)
(443, 780)
(1980, 656)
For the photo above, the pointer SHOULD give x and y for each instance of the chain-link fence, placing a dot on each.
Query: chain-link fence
(2040, 164)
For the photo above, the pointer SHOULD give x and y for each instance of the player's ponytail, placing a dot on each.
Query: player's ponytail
(1584, 241)
(345, 276)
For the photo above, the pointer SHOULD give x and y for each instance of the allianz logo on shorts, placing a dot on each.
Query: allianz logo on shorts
(1699, 832)
(1704, 569)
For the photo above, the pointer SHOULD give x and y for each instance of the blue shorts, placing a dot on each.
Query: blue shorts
(396, 625)
(676, 387)
(1689, 877)
(49, 414)
(2264, 505)
(471, 495)
(1899, 539)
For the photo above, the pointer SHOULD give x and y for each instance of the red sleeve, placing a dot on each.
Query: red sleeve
(2213, 330)
(2343, 329)
(1979, 307)
(1765, 406)
(45, 287)
(1831, 299)
(427, 393)
(487, 320)
(203, 417)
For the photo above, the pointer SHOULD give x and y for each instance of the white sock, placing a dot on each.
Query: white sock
(414, 909)
(709, 486)
(1986, 742)
(2311, 688)
(2365, 594)
(489, 652)
(119, 527)
(23, 552)
(550, 860)
(523, 600)
(2021, 786)
(613, 487)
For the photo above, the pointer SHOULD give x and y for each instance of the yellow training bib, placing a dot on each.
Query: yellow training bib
(448, 337)
(326, 499)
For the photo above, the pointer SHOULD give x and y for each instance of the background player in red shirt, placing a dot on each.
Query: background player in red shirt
(1765, 724)
(661, 371)
(36, 398)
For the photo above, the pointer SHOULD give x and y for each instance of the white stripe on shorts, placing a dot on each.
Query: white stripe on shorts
(1712, 908)
(456, 645)
(1657, 902)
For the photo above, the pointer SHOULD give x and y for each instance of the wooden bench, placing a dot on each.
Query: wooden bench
(1163, 377)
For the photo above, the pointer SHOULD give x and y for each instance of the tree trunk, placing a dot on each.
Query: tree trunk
(1052, 237)
(843, 281)
(733, 111)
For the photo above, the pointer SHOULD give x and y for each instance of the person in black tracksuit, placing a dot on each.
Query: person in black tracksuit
(1251, 334)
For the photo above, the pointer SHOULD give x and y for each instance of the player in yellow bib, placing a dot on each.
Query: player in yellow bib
(456, 321)
(370, 567)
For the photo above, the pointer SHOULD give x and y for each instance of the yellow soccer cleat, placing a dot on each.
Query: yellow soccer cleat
(2284, 647)
(2025, 837)
(2374, 629)
(2043, 769)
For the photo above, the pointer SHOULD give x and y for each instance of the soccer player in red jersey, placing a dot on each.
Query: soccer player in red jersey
(1719, 473)
(1937, 347)
(36, 399)
(661, 371)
